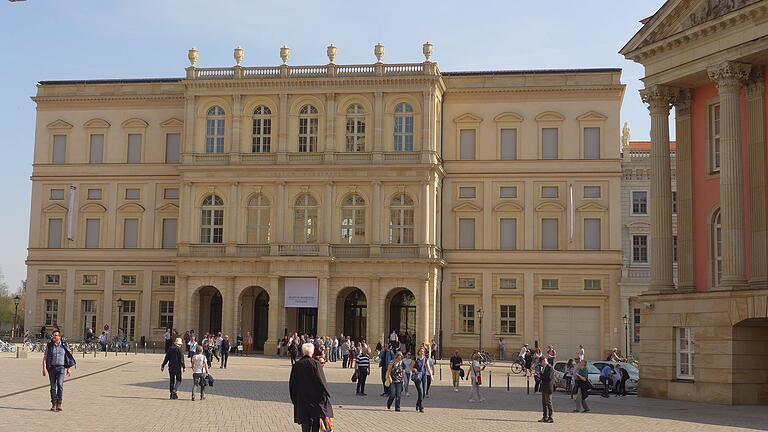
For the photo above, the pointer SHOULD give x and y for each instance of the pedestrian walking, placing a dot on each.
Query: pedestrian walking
(568, 376)
(537, 375)
(581, 387)
(502, 347)
(419, 377)
(363, 370)
(225, 347)
(248, 343)
(174, 358)
(622, 391)
(475, 375)
(456, 370)
(408, 365)
(580, 354)
(395, 376)
(551, 354)
(167, 338)
(57, 362)
(344, 348)
(386, 357)
(547, 388)
(199, 371)
(430, 374)
(309, 393)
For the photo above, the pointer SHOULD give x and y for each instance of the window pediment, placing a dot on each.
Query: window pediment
(96, 123)
(592, 116)
(135, 123)
(467, 207)
(508, 207)
(54, 208)
(467, 118)
(592, 206)
(639, 227)
(93, 208)
(550, 206)
(131, 207)
(168, 208)
(172, 123)
(508, 117)
(59, 124)
(550, 116)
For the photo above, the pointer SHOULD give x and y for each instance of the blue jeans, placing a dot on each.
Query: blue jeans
(420, 387)
(56, 378)
(394, 395)
(344, 358)
(407, 380)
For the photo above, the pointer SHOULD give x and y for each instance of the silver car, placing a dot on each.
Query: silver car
(634, 374)
(594, 376)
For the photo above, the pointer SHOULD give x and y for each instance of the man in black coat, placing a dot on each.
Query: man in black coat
(547, 388)
(309, 392)
(174, 358)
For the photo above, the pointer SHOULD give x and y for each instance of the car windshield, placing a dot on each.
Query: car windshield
(592, 369)
(630, 368)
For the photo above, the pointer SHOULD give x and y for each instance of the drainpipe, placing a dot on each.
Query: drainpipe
(442, 185)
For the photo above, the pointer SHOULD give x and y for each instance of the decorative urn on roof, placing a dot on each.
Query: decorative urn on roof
(427, 50)
(239, 54)
(378, 51)
(331, 51)
(285, 52)
(192, 56)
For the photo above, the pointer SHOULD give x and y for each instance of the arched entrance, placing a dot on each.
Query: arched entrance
(210, 310)
(402, 313)
(254, 315)
(355, 314)
(748, 335)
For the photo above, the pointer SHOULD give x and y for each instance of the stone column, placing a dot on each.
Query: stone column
(425, 116)
(685, 249)
(274, 331)
(236, 317)
(757, 211)
(146, 307)
(188, 142)
(108, 315)
(728, 76)
(422, 312)
(69, 307)
(378, 122)
(376, 206)
(227, 305)
(279, 230)
(330, 117)
(180, 304)
(659, 99)
(328, 213)
(282, 125)
(237, 115)
(233, 208)
(375, 312)
(322, 307)
(423, 213)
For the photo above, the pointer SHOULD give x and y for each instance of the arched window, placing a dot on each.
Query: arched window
(353, 219)
(262, 130)
(355, 128)
(214, 130)
(717, 250)
(308, 129)
(212, 220)
(403, 127)
(305, 219)
(257, 229)
(401, 220)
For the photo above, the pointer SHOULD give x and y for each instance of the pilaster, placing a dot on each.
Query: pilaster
(69, 306)
(322, 307)
(755, 90)
(685, 248)
(181, 311)
(378, 122)
(146, 306)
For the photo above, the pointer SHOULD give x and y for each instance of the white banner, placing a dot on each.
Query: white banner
(71, 213)
(572, 211)
(301, 292)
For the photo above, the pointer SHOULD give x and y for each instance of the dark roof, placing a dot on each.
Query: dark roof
(111, 81)
(531, 72)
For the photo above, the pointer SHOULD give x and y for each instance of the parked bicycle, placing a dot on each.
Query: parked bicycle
(7, 346)
(518, 366)
(485, 358)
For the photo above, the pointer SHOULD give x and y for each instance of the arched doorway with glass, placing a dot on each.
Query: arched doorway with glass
(402, 314)
(210, 302)
(254, 315)
(353, 319)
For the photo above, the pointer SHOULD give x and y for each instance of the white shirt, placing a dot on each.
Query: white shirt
(523, 351)
(430, 364)
(218, 341)
(581, 354)
(167, 335)
(198, 363)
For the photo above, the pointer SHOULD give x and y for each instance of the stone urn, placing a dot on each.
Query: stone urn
(239, 54)
(192, 56)
(285, 52)
(331, 52)
(427, 50)
(378, 51)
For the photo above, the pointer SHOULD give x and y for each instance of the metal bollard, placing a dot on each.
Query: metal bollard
(94, 353)
(135, 349)
(507, 381)
(490, 378)
(441, 372)
(527, 384)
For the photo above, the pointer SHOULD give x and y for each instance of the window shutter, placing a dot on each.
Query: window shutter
(508, 144)
(549, 143)
(97, 149)
(508, 229)
(172, 145)
(549, 230)
(467, 144)
(59, 149)
(466, 233)
(591, 143)
(134, 148)
(592, 234)
(130, 233)
(169, 233)
(92, 233)
(54, 233)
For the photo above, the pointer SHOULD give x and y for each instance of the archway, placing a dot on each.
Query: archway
(402, 315)
(355, 314)
(210, 310)
(748, 335)
(254, 315)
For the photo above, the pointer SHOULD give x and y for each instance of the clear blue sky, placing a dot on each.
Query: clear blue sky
(46, 40)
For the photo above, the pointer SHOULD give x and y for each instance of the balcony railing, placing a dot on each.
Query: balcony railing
(298, 249)
(351, 251)
(312, 71)
(308, 158)
(402, 156)
(211, 158)
(305, 157)
(207, 250)
(252, 250)
(400, 251)
(354, 157)
(257, 158)
(339, 251)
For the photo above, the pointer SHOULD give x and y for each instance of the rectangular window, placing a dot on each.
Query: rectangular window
(467, 144)
(507, 283)
(549, 231)
(674, 202)
(59, 149)
(549, 143)
(714, 138)
(592, 234)
(591, 143)
(97, 149)
(592, 284)
(508, 192)
(467, 283)
(636, 325)
(166, 314)
(508, 149)
(684, 352)
(128, 280)
(130, 233)
(550, 191)
(172, 145)
(54, 233)
(94, 194)
(639, 202)
(134, 148)
(508, 319)
(551, 284)
(90, 279)
(674, 248)
(171, 193)
(467, 192)
(508, 233)
(169, 233)
(52, 279)
(467, 317)
(640, 248)
(132, 194)
(167, 280)
(592, 192)
(57, 194)
(467, 233)
(92, 229)
(51, 312)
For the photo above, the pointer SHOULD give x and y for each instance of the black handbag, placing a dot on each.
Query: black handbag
(355, 376)
(209, 379)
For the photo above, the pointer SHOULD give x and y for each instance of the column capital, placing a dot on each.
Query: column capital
(683, 103)
(659, 97)
(728, 76)
(755, 86)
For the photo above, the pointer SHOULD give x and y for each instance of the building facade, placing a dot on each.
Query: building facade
(354, 199)
(704, 338)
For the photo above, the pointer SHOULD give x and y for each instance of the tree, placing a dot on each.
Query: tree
(8, 307)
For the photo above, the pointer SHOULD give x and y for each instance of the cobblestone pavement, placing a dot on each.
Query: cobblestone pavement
(128, 392)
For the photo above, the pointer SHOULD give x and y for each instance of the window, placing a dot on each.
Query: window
(549, 231)
(508, 233)
(714, 138)
(508, 192)
(353, 219)
(305, 219)
(591, 143)
(172, 148)
(94, 194)
(717, 250)
(134, 148)
(592, 191)
(552, 284)
(171, 193)
(52, 279)
(166, 314)
(550, 191)
(508, 319)
(214, 130)
(54, 233)
(90, 279)
(97, 149)
(51, 312)
(128, 280)
(167, 280)
(636, 325)
(308, 122)
(507, 283)
(674, 248)
(355, 137)
(684, 352)
(212, 220)
(258, 220)
(132, 194)
(467, 233)
(401, 220)
(467, 192)
(403, 133)
(261, 138)
(169, 233)
(130, 233)
(467, 283)
(639, 202)
(592, 234)
(674, 202)
(640, 248)
(592, 284)
(467, 144)
(508, 149)
(549, 143)
(92, 231)
(467, 318)
(57, 194)
(59, 149)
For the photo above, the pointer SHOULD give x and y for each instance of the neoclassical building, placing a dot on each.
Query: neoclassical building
(352, 199)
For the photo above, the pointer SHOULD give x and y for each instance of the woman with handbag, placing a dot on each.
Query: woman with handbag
(199, 370)
(362, 371)
(475, 371)
(419, 377)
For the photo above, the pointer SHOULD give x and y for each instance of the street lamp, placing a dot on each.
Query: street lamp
(626, 335)
(480, 316)
(119, 312)
(16, 301)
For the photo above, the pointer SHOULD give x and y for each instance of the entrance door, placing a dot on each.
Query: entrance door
(402, 313)
(355, 315)
(568, 327)
(306, 320)
(260, 321)
(215, 321)
(129, 319)
(89, 316)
